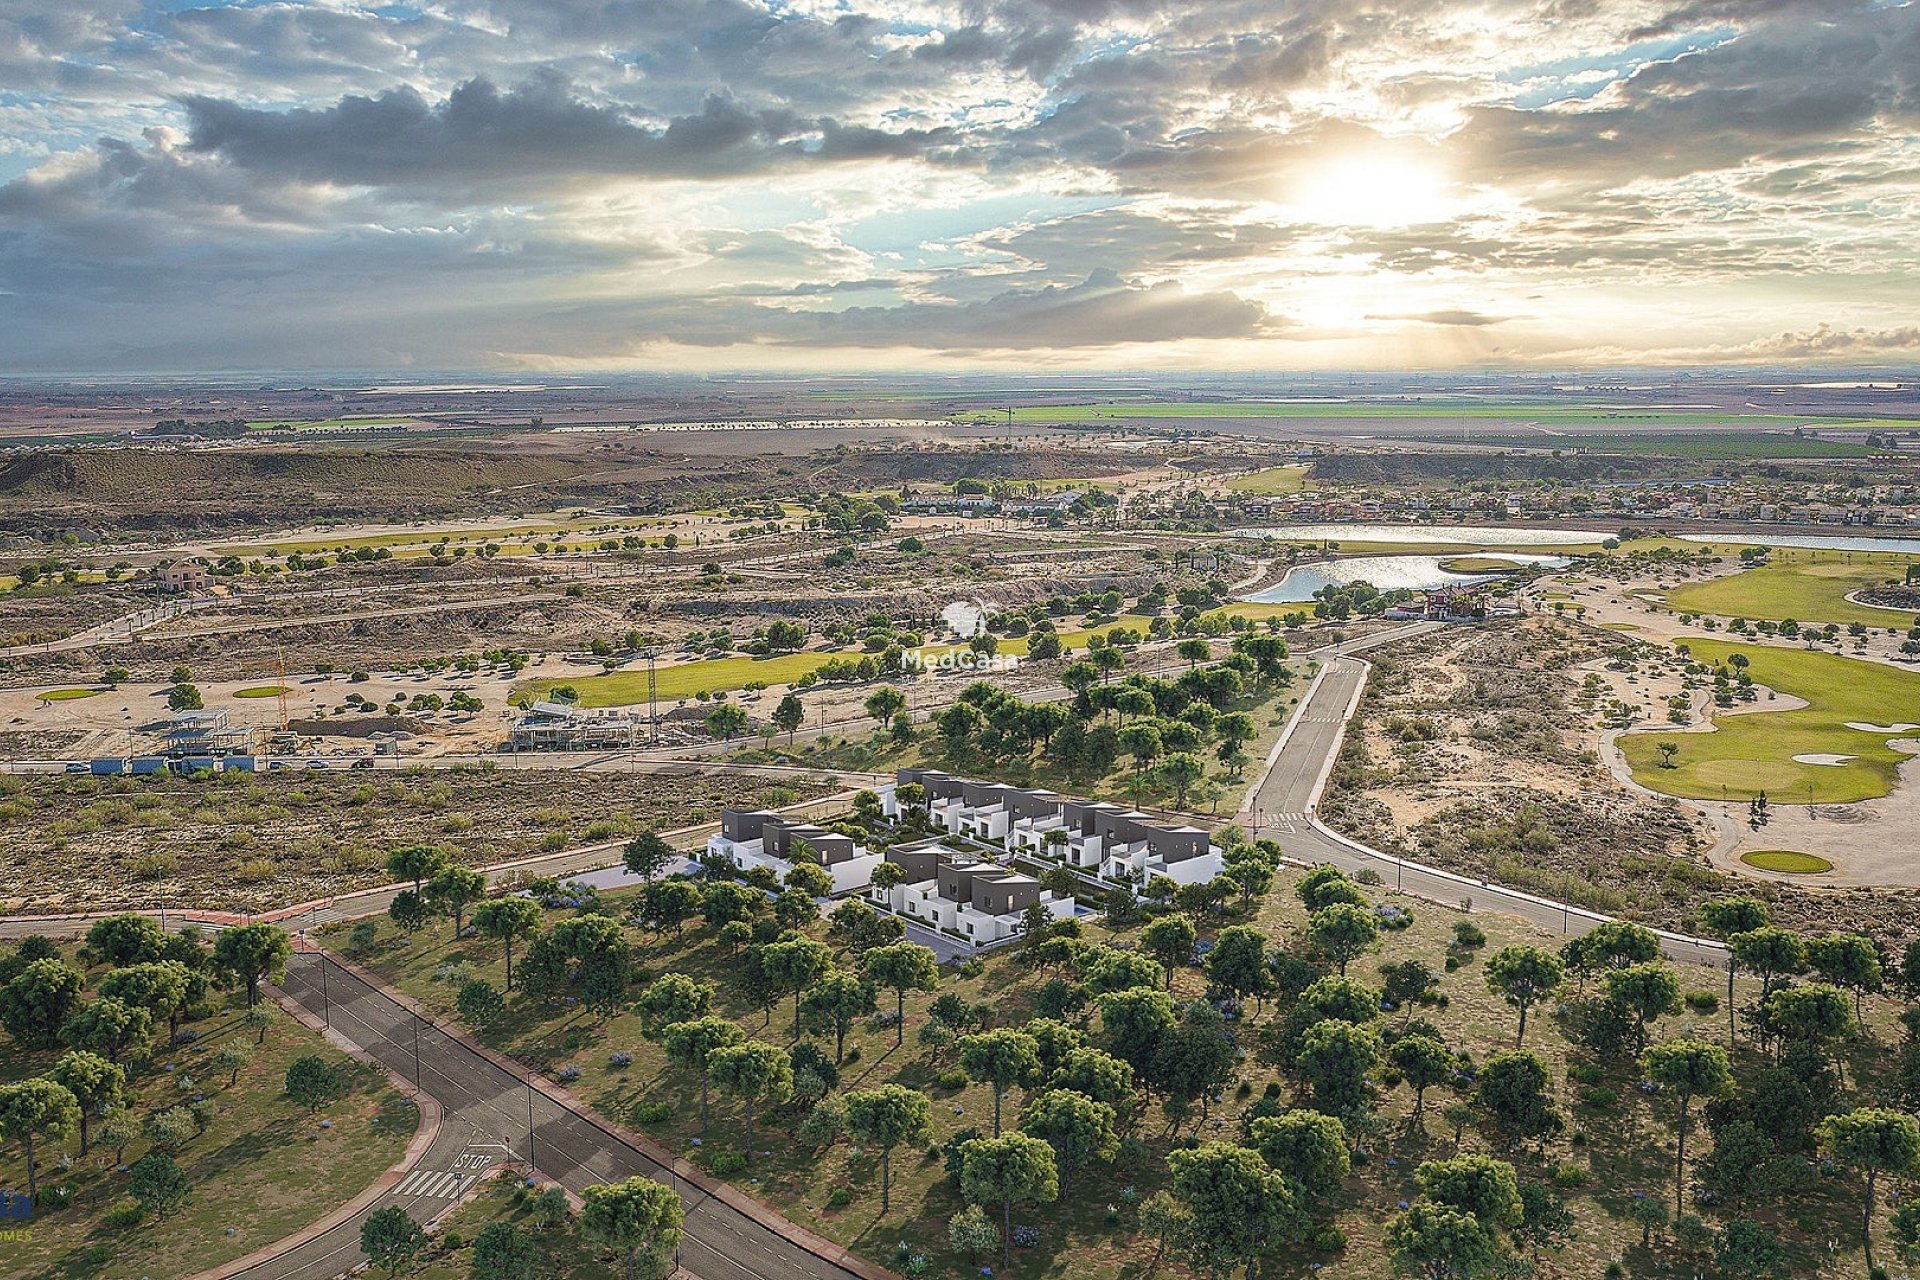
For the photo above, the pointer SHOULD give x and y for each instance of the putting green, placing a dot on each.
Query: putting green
(66, 695)
(1807, 586)
(1753, 751)
(1787, 861)
(258, 691)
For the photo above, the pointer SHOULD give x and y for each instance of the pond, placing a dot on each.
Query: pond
(1814, 542)
(1461, 535)
(1388, 573)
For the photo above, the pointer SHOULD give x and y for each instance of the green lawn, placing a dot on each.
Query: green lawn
(1274, 480)
(258, 691)
(1807, 586)
(66, 695)
(1754, 750)
(685, 679)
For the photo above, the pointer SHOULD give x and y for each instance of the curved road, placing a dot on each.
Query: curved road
(1283, 807)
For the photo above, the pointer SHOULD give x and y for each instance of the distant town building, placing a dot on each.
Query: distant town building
(183, 575)
(205, 734)
(559, 726)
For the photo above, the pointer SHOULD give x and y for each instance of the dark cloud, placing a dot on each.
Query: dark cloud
(538, 131)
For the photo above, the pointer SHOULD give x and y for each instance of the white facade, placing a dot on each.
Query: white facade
(848, 874)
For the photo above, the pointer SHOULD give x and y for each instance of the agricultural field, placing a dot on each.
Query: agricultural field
(256, 841)
(1271, 482)
(1807, 586)
(1611, 1148)
(1753, 751)
(260, 1165)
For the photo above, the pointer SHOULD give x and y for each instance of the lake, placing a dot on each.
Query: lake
(1813, 542)
(1388, 573)
(1460, 535)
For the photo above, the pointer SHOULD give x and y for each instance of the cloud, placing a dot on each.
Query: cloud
(536, 132)
(1452, 318)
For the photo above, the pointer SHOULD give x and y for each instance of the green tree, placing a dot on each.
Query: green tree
(1723, 918)
(836, 1001)
(1512, 1090)
(726, 720)
(231, 1057)
(902, 967)
(1077, 1127)
(887, 1117)
(502, 1251)
(1691, 1069)
(480, 1003)
(36, 1003)
(972, 1232)
(635, 1217)
(313, 1082)
(127, 939)
(1001, 1058)
(408, 911)
(1849, 960)
(1811, 1015)
(1480, 1185)
(418, 863)
(1306, 1147)
(1237, 965)
(1873, 1140)
(1169, 940)
(691, 1045)
(36, 1108)
(794, 964)
(162, 987)
(669, 904)
(158, 1185)
(884, 703)
(1180, 771)
(392, 1239)
(1772, 953)
(1341, 931)
(647, 855)
(1007, 1170)
(1422, 1063)
(96, 1084)
(753, 1072)
(252, 953)
(1440, 1242)
(1336, 1058)
(453, 890)
(1646, 991)
(507, 919)
(789, 715)
(1236, 1206)
(671, 998)
(1523, 976)
(108, 1026)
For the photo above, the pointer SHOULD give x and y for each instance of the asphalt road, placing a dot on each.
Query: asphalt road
(491, 1115)
(1284, 808)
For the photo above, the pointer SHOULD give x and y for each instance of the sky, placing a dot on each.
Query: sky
(899, 185)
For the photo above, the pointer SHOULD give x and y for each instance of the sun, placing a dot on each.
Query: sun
(1372, 189)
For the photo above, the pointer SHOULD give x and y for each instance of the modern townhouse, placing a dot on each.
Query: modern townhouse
(1093, 837)
(979, 902)
(750, 838)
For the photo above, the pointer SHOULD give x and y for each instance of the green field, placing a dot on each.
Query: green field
(1808, 586)
(1753, 751)
(66, 695)
(1438, 407)
(1787, 862)
(259, 691)
(1770, 441)
(1274, 480)
(1480, 564)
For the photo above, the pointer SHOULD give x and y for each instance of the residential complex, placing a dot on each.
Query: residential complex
(962, 895)
(750, 838)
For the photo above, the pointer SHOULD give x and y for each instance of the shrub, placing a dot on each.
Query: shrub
(726, 1164)
(1702, 1001)
(952, 1078)
(1569, 1176)
(620, 1059)
(54, 1197)
(567, 1074)
(652, 1113)
(124, 1215)
(1468, 934)
(839, 1198)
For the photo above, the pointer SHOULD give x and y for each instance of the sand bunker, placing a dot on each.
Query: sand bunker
(1864, 727)
(1820, 757)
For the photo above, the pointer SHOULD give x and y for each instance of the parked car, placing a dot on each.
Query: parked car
(364, 762)
(74, 766)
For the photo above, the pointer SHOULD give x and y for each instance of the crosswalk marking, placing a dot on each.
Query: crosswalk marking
(437, 1184)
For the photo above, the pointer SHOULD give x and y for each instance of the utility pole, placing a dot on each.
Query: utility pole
(530, 1168)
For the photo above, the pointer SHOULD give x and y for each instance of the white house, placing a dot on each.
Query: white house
(750, 838)
(974, 900)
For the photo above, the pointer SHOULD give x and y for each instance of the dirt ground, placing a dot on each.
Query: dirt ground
(255, 841)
